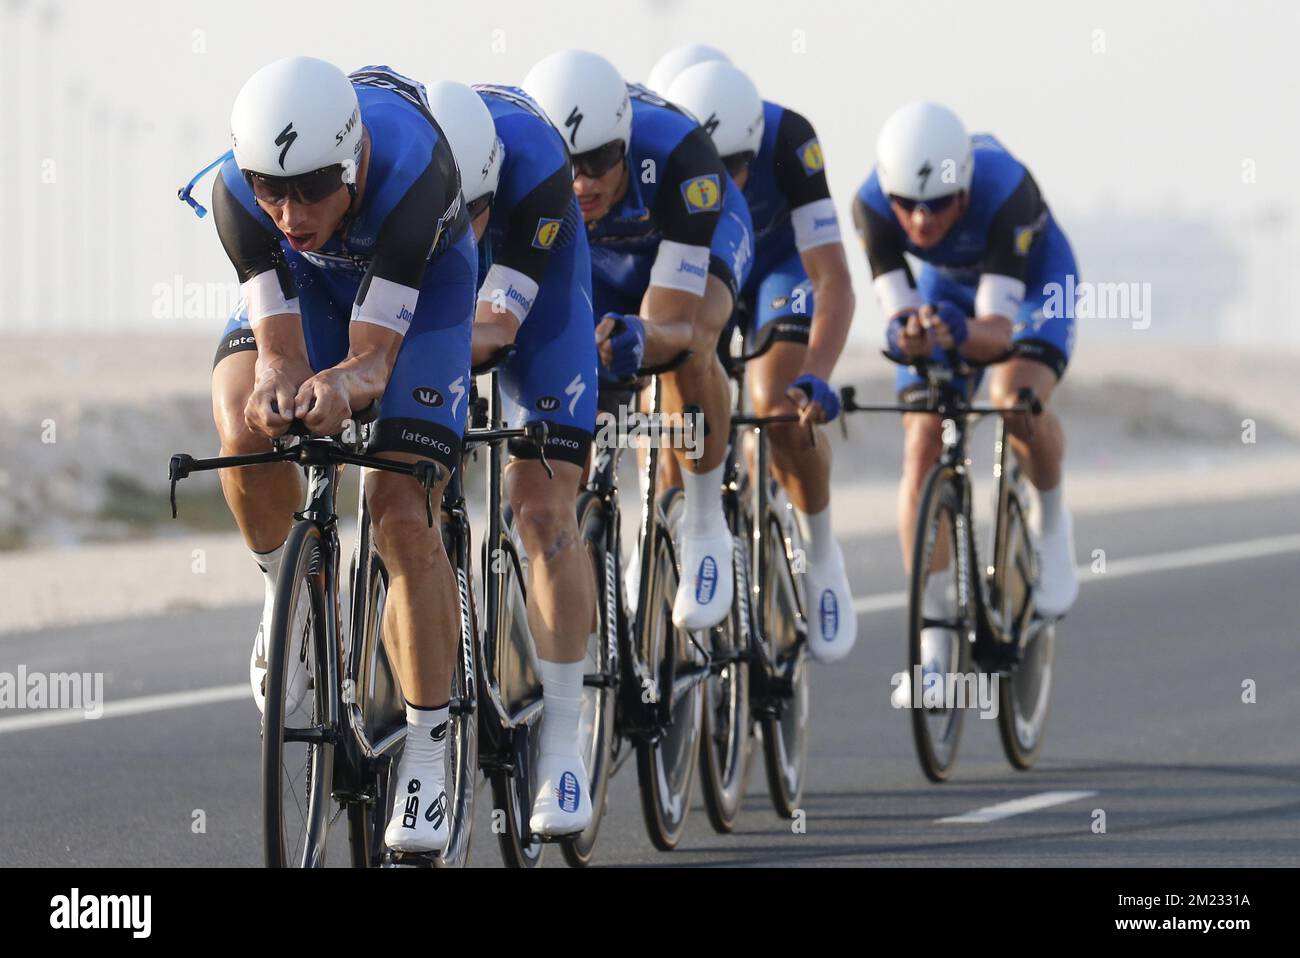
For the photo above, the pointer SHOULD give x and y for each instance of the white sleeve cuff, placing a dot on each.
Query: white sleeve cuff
(895, 293)
(998, 296)
(507, 288)
(815, 224)
(387, 304)
(265, 298)
(678, 266)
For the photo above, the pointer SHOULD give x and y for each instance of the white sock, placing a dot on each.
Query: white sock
(703, 513)
(269, 566)
(816, 532)
(269, 563)
(561, 705)
(420, 743)
(1050, 507)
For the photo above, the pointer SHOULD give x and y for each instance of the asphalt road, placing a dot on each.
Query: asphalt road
(1148, 725)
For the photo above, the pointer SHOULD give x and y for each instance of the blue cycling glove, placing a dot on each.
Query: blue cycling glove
(628, 344)
(819, 392)
(894, 337)
(954, 317)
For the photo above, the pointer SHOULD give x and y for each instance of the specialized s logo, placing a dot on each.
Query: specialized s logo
(702, 194)
(810, 156)
(285, 139)
(710, 124)
(457, 390)
(547, 230)
(427, 396)
(923, 174)
(574, 119)
(574, 391)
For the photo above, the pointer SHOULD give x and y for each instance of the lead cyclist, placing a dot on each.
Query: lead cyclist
(340, 209)
(798, 294)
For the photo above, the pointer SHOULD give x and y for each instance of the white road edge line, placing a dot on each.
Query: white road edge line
(1137, 565)
(136, 706)
(1017, 806)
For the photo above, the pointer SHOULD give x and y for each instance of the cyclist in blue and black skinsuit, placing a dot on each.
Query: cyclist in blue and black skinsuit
(535, 292)
(797, 303)
(342, 214)
(671, 243)
(995, 276)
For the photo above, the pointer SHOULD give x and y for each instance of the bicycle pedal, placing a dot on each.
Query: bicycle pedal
(397, 859)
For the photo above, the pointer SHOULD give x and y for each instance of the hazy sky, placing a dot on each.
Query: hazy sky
(1122, 110)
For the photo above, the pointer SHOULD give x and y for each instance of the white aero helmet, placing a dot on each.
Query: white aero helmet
(923, 153)
(294, 116)
(725, 101)
(472, 135)
(678, 59)
(585, 98)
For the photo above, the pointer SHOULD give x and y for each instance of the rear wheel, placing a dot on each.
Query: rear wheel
(666, 761)
(936, 730)
(596, 726)
(1024, 695)
(297, 759)
(785, 719)
(726, 744)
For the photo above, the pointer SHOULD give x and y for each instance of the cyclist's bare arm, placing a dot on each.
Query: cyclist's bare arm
(331, 396)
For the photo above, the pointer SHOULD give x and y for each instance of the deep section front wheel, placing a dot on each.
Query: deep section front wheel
(938, 648)
(297, 751)
(665, 762)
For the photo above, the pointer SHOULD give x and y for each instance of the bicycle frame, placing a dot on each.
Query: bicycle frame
(992, 640)
(636, 718)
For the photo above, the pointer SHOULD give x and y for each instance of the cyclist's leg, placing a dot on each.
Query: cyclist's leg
(552, 378)
(706, 587)
(1044, 338)
(783, 312)
(420, 626)
(262, 498)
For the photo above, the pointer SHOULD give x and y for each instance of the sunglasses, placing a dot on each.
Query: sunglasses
(596, 163)
(479, 204)
(936, 205)
(737, 163)
(306, 188)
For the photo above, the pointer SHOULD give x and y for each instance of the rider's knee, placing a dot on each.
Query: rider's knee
(237, 439)
(547, 526)
(399, 520)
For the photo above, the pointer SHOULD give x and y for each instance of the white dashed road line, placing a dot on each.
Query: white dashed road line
(1017, 806)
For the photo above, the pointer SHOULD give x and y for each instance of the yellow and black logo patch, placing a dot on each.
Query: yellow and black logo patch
(547, 230)
(702, 194)
(810, 155)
